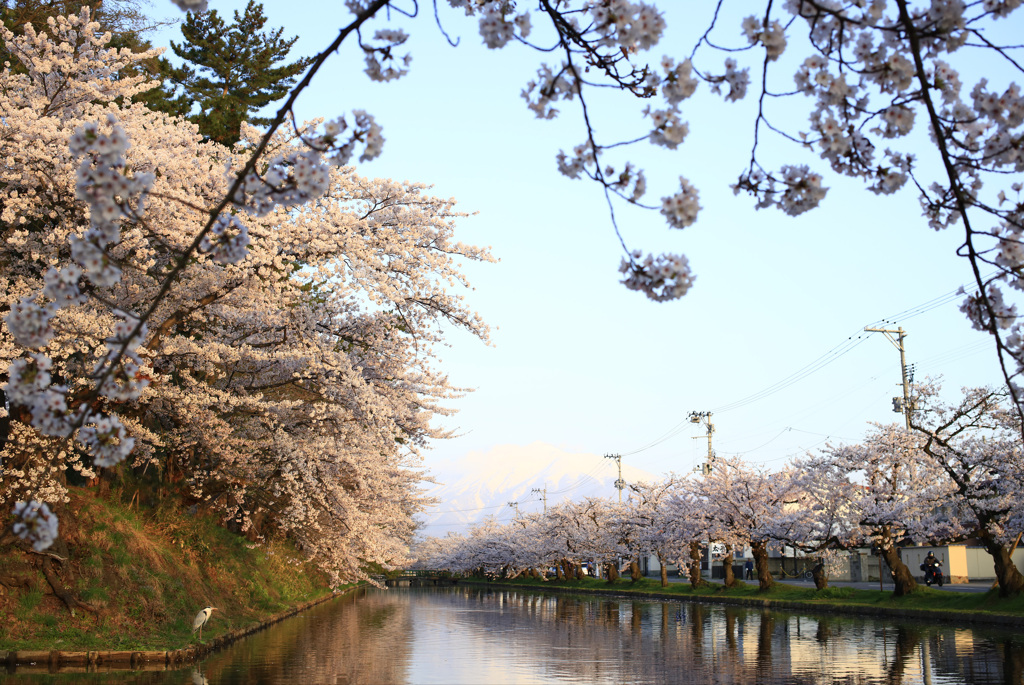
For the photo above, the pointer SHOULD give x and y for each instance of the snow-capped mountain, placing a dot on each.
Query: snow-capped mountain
(482, 484)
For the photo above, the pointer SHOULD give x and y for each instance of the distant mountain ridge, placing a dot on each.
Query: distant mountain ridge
(481, 484)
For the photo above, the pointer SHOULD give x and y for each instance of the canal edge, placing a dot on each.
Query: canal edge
(63, 661)
(777, 605)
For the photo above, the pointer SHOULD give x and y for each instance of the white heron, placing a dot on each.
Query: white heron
(200, 620)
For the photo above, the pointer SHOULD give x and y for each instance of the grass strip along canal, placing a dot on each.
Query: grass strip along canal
(924, 603)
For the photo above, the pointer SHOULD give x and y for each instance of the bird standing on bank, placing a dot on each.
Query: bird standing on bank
(201, 618)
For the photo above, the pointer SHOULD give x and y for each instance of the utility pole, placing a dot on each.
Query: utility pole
(515, 505)
(705, 418)
(619, 483)
(544, 495)
(898, 406)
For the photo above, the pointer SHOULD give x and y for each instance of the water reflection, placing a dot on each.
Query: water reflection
(472, 635)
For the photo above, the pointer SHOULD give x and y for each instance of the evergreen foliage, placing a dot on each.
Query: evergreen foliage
(230, 72)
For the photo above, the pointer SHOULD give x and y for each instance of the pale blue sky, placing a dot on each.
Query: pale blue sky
(581, 363)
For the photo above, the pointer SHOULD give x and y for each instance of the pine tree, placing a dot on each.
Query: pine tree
(238, 69)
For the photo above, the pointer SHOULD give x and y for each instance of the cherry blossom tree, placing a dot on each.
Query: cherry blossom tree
(976, 443)
(646, 519)
(815, 521)
(889, 489)
(689, 523)
(287, 380)
(580, 532)
(744, 505)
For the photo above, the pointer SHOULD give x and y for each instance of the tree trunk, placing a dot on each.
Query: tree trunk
(764, 576)
(578, 571)
(820, 575)
(634, 571)
(696, 577)
(613, 572)
(901, 575)
(1011, 582)
(728, 577)
(559, 571)
(70, 601)
(664, 570)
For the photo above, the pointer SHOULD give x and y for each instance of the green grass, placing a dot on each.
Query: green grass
(150, 572)
(973, 604)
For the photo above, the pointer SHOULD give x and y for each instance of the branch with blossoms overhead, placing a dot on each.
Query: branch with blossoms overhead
(874, 71)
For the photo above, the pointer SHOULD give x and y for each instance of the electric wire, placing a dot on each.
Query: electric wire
(845, 347)
(832, 355)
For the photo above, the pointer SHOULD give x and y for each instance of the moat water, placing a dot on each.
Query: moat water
(470, 635)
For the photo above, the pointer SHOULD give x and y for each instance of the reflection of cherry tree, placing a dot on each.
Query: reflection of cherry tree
(976, 443)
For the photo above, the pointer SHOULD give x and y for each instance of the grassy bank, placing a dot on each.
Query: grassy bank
(924, 603)
(146, 575)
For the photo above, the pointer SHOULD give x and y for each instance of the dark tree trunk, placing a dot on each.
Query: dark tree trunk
(1011, 582)
(578, 571)
(820, 575)
(764, 576)
(664, 570)
(634, 572)
(696, 578)
(902, 578)
(728, 577)
(559, 570)
(613, 572)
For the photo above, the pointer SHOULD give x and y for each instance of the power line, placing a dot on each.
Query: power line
(816, 365)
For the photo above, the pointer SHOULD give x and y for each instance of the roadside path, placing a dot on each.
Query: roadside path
(973, 586)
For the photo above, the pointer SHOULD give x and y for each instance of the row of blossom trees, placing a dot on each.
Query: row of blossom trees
(958, 475)
(210, 310)
(285, 381)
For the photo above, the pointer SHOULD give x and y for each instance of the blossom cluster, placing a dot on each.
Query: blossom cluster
(297, 177)
(100, 182)
(796, 190)
(191, 5)
(377, 57)
(626, 25)
(680, 210)
(35, 523)
(772, 35)
(662, 278)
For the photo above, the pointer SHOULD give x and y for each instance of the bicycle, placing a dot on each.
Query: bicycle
(806, 574)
